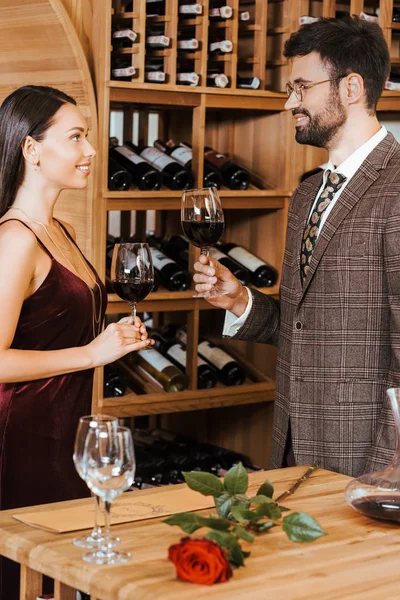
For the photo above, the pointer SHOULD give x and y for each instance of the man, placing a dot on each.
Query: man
(337, 324)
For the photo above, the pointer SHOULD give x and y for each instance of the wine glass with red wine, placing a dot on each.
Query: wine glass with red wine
(132, 272)
(203, 224)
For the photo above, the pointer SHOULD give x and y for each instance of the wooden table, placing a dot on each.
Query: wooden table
(359, 558)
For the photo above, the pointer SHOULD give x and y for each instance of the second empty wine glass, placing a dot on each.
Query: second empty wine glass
(203, 224)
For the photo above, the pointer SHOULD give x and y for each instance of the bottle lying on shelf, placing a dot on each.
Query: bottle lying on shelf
(219, 80)
(122, 69)
(219, 11)
(183, 154)
(234, 176)
(187, 43)
(160, 368)
(396, 14)
(393, 83)
(177, 247)
(119, 179)
(229, 371)
(175, 351)
(261, 273)
(172, 276)
(157, 42)
(174, 175)
(143, 174)
(189, 11)
(187, 78)
(244, 16)
(154, 73)
(115, 383)
(224, 46)
(248, 83)
(123, 38)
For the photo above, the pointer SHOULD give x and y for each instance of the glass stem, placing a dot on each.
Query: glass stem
(205, 251)
(96, 533)
(133, 307)
(105, 547)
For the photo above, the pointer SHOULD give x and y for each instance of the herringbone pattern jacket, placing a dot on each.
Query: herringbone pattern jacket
(338, 335)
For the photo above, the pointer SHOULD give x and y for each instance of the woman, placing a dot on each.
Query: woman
(52, 305)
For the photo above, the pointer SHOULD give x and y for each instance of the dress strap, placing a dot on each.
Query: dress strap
(39, 241)
(67, 233)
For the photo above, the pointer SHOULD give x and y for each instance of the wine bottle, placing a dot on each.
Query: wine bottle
(115, 383)
(187, 78)
(171, 275)
(234, 177)
(122, 69)
(161, 369)
(154, 72)
(224, 46)
(221, 13)
(229, 371)
(155, 7)
(144, 175)
(176, 352)
(177, 248)
(244, 16)
(187, 43)
(188, 11)
(261, 273)
(123, 38)
(396, 14)
(119, 179)
(249, 83)
(174, 175)
(183, 154)
(217, 80)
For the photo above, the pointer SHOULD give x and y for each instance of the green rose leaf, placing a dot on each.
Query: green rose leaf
(261, 527)
(283, 508)
(236, 557)
(223, 504)
(300, 527)
(214, 523)
(205, 483)
(270, 510)
(267, 489)
(261, 499)
(243, 514)
(236, 480)
(227, 540)
(187, 521)
(243, 534)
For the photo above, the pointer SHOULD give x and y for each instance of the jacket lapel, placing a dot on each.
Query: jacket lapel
(351, 195)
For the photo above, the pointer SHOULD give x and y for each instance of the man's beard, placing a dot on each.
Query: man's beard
(323, 127)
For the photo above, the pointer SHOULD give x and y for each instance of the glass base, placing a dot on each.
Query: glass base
(111, 558)
(209, 294)
(92, 542)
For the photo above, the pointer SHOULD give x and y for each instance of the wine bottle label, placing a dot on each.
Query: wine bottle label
(306, 19)
(182, 155)
(217, 254)
(216, 158)
(225, 12)
(159, 258)
(158, 40)
(179, 354)
(132, 156)
(192, 44)
(244, 16)
(191, 78)
(215, 356)
(246, 258)
(220, 79)
(125, 33)
(392, 85)
(124, 72)
(251, 83)
(224, 46)
(157, 76)
(370, 18)
(157, 158)
(155, 359)
(191, 9)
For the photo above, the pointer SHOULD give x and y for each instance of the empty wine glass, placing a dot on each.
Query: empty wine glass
(86, 423)
(132, 272)
(202, 220)
(109, 468)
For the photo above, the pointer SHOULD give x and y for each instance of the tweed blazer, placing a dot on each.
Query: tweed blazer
(338, 334)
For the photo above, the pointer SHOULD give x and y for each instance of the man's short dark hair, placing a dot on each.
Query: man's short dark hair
(346, 45)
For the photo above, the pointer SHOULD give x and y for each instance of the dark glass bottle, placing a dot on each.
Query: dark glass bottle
(183, 154)
(155, 7)
(144, 175)
(219, 10)
(172, 276)
(248, 83)
(217, 79)
(174, 175)
(189, 10)
(119, 179)
(261, 273)
(123, 38)
(122, 68)
(115, 383)
(234, 176)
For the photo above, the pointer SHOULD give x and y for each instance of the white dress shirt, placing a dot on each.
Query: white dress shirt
(348, 168)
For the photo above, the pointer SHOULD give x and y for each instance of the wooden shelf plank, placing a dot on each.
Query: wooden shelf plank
(147, 404)
(390, 101)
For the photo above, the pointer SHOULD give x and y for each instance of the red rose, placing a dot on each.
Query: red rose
(200, 561)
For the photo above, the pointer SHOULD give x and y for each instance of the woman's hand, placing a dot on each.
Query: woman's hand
(117, 340)
(208, 273)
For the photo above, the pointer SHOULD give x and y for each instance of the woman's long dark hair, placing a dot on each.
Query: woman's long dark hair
(29, 110)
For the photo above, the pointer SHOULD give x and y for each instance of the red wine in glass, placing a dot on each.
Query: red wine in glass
(132, 272)
(202, 220)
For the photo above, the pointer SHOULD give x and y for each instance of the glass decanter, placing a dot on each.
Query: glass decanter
(377, 495)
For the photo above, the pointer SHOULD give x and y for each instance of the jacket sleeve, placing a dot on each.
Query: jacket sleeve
(262, 324)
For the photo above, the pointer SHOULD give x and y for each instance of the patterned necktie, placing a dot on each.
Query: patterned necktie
(333, 183)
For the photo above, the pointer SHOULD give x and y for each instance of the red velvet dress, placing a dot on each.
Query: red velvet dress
(38, 419)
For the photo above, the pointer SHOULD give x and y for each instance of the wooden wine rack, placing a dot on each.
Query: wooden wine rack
(251, 125)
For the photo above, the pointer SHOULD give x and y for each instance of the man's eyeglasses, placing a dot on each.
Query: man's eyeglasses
(300, 88)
